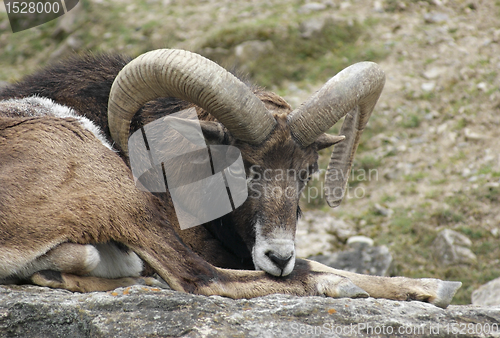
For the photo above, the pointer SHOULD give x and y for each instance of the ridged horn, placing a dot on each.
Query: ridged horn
(190, 77)
(352, 93)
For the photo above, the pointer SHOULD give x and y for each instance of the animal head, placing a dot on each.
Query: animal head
(279, 145)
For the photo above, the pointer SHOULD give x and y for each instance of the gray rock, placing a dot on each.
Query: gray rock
(383, 210)
(311, 7)
(363, 257)
(428, 86)
(434, 73)
(451, 247)
(488, 294)
(30, 311)
(251, 50)
(311, 27)
(436, 17)
(474, 136)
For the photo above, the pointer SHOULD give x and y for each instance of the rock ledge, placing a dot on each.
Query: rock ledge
(139, 311)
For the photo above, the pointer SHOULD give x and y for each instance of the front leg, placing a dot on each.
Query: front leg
(185, 271)
(434, 291)
(301, 282)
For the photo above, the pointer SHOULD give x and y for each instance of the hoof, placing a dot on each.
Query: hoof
(349, 290)
(445, 292)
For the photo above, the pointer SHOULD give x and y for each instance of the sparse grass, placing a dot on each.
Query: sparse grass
(296, 58)
(388, 198)
(410, 233)
(412, 121)
(368, 162)
(461, 124)
(439, 181)
(471, 232)
(446, 216)
(489, 194)
(99, 27)
(487, 169)
(402, 223)
(415, 177)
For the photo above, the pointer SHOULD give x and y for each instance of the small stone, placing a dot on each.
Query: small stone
(433, 73)
(311, 27)
(442, 127)
(345, 5)
(470, 135)
(466, 172)
(383, 210)
(360, 239)
(74, 42)
(249, 51)
(435, 17)
(428, 86)
(378, 7)
(312, 7)
(482, 86)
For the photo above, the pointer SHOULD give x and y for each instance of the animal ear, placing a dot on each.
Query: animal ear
(327, 140)
(213, 131)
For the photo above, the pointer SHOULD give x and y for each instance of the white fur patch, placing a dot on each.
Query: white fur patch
(279, 242)
(92, 257)
(116, 263)
(40, 106)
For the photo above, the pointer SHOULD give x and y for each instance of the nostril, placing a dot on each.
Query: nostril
(278, 260)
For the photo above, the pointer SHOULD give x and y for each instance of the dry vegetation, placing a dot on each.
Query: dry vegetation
(433, 139)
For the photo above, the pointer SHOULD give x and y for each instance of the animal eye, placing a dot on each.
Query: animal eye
(305, 175)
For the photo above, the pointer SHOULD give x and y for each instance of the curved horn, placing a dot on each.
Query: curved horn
(352, 93)
(190, 77)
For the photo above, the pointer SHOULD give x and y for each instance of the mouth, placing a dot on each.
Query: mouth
(276, 257)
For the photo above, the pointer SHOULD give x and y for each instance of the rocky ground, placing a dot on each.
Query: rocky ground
(430, 158)
(150, 312)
